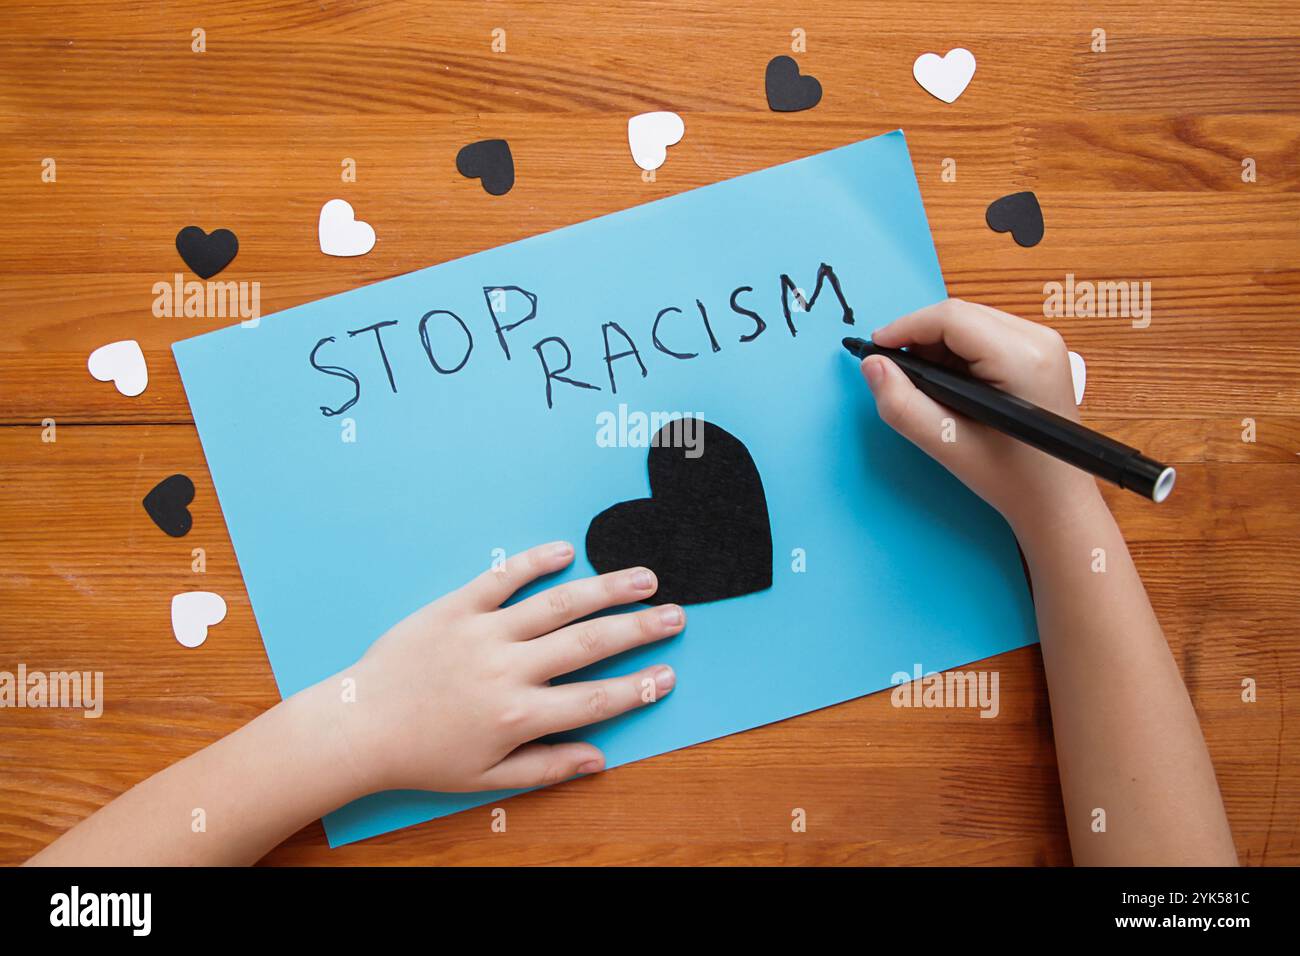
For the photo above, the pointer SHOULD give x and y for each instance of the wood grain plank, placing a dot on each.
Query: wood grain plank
(537, 20)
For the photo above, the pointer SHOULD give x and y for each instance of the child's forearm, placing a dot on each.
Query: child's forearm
(1127, 739)
(230, 803)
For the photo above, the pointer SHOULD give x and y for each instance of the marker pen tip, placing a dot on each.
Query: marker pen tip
(857, 347)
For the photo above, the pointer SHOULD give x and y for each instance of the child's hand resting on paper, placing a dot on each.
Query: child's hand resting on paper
(1127, 739)
(451, 698)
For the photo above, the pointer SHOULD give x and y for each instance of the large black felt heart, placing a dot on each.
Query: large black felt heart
(206, 254)
(787, 91)
(490, 162)
(1018, 214)
(704, 531)
(168, 505)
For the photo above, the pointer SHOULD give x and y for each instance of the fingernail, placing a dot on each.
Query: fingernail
(874, 367)
(642, 580)
(591, 766)
(670, 616)
(664, 680)
(877, 332)
(562, 550)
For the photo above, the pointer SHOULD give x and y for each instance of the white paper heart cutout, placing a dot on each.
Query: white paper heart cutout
(650, 135)
(1079, 375)
(193, 612)
(341, 232)
(945, 76)
(121, 363)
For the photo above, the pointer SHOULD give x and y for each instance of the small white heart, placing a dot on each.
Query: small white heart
(123, 364)
(193, 612)
(341, 232)
(945, 76)
(650, 135)
(1079, 375)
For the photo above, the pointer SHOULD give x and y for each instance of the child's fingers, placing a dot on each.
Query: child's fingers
(940, 354)
(569, 706)
(586, 642)
(540, 765)
(964, 328)
(566, 603)
(908, 410)
(494, 586)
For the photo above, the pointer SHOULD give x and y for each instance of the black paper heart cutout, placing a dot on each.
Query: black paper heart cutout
(206, 254)
(787, 91)
(704, 530)
(490, 162)
(168, 505)
(1018, 214)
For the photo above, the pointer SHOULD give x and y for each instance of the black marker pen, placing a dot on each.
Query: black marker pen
(1044, 430)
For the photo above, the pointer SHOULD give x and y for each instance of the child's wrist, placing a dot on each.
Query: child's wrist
(1054, 521)
(337, 741)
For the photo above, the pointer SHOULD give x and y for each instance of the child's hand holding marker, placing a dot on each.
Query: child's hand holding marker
(1136, 778)
(998, 371)
(1025, 358)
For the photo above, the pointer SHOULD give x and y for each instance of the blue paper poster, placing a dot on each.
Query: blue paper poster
(472, 434)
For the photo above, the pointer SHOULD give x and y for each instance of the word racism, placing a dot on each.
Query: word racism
(553, 353)
(102, 909)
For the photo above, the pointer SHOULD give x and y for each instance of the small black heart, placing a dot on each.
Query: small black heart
(787, 91)
(490, 161)
(168, 505)
(206, 254)
(1018, 214)
(704, 530)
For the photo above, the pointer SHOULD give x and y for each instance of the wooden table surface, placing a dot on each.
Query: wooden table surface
(1136, 154)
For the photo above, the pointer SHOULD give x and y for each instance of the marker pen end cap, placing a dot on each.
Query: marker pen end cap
(1164, 485)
